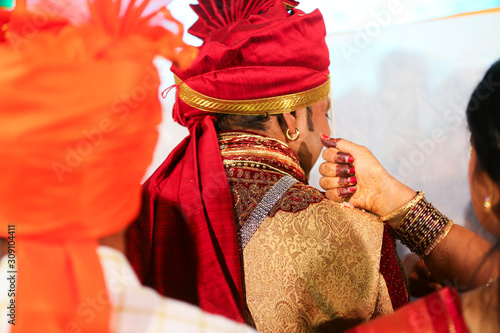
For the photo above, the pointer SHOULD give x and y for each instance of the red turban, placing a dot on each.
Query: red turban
(247, 57)
(78, 115)
(258, 56)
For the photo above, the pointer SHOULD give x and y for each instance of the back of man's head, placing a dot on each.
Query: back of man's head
(258, 58)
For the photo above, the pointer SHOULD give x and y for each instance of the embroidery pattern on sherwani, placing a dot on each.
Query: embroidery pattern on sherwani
(247, 193)
(318, 269)
(253, 165)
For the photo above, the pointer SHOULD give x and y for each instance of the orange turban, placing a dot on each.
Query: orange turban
(78, 115)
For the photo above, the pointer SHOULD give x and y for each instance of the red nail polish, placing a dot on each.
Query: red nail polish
(328, 142)
(352, 189)
(352, 171)
(353, 180)
(350, 159)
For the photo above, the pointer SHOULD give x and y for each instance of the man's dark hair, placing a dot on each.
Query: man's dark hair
(226, 122)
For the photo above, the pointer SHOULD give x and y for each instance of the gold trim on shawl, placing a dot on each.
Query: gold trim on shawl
(236, 153)
(242, 135)
(251, 164)
(289, 6)
(270, 105)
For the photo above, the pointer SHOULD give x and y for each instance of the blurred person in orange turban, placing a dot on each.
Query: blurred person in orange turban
(228, 221)
(79, 109)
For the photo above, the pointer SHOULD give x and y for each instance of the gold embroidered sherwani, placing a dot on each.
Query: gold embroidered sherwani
(312, 265)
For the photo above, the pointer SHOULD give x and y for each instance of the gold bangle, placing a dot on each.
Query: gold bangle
(408, 205)
(438, 239)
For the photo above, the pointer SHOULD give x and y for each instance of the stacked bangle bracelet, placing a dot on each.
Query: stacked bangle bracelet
(423, 226)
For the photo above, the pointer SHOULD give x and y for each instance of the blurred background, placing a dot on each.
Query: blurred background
(344, 16)
(402, 74)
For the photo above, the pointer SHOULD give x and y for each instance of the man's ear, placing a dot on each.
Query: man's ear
(291, 121)
(297, 119)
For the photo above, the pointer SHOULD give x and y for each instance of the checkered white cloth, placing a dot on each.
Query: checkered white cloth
(136, 308)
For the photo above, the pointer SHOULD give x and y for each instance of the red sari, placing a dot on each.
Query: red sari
(439, 312)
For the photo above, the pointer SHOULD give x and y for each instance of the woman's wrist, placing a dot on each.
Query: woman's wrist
(396, 216)
(394, 196)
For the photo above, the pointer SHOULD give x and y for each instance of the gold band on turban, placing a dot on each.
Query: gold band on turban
(270, 105)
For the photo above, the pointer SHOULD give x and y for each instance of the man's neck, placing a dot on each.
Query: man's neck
(116, 241)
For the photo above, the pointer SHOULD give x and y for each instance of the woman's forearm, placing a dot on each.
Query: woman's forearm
(461, 260)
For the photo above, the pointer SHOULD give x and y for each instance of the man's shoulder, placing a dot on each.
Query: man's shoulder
(299, 197)
(339, 227)
(302, 196)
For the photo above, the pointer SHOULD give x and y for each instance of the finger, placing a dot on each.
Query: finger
(342, 145)
(347, 181)
(329, 154)
(342, 157)
(347, 146)
(423, 272)
(336, 170)
(419, 289)
(416, 281)
(330, 183)
(424, 285)
(344, 170)
(425, 276)
(421, 268)
(329, 142)
(340, 194)
(335, 156)
(328, 169)
(409, 261)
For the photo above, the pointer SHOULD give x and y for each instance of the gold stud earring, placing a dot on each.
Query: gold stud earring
(297, 134)
(487, 204)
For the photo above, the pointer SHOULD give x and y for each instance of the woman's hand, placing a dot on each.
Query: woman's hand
(420, 280)
(376, 190)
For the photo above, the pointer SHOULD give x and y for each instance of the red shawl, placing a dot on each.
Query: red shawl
(437, 313)
(184, 243)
